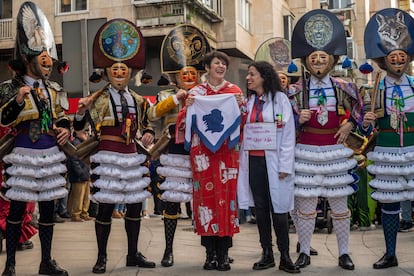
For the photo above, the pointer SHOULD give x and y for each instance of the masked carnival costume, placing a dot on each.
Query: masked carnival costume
(119, 113)
(393, 156)
(175, 170)
(323, 168)
(35, 166)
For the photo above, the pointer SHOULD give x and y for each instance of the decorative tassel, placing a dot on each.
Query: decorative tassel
(292, 68)
(347, 64)
(366, 68)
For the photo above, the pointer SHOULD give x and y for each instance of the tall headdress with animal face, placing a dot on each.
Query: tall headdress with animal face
(182, 51)
(34, 37)
(318, 30)
(276, 51)
(34, 34)
(119, 40)
(388, 30)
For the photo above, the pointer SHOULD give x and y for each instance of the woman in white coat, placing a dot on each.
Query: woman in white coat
(266, 170)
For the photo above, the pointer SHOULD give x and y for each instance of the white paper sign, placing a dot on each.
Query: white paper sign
(259, 136)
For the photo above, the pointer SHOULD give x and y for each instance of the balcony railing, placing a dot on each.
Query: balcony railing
(6, 28)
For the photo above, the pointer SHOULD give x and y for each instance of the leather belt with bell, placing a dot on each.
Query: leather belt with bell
(315, 130)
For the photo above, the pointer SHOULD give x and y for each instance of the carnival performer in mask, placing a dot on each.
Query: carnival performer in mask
(34, 107)
(174, 172)
(120, 115)
(392, 110)
(323, 164)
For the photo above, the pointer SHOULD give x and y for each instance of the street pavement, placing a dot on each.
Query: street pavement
(75, 249)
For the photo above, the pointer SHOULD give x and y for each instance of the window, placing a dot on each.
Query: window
(66, 6)
(340, 4)
(212, 5)
(287, 27)
(6, 9)
(244, 14)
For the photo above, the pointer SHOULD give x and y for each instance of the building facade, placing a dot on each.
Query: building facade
(237, 27)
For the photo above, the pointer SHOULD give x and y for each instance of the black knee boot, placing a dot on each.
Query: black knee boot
(135, 258)
(223, 244)
(13, 232)
(209, 242)
(170, 225)
(48, 266)
(102, 231)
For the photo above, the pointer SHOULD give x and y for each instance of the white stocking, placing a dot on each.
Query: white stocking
(341, 222)
(305, 223)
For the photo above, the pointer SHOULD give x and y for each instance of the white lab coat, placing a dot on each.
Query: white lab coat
(281, 159)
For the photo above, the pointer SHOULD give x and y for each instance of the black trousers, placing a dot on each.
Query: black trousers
(259, 185)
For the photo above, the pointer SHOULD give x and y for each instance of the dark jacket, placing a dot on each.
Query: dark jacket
(78, 170)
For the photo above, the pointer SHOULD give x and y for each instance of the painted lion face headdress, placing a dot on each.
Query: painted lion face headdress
(318, 30)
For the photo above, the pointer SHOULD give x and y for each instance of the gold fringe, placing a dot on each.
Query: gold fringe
(176, 216)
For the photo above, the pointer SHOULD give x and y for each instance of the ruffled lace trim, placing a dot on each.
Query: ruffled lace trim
(36, 172)
(111, 171)
(392, 154)
(33, 184)
(321, 180)
(113, 184)
(308, 191)
(175, 160)
(395, 169)
(125, 160)
(177, 186)
(174, 172)
(389, 197)
(107, 196)
(322, 153)
(174, 196)
(27, 195)
(339, 191)
(311, 167)
(35, 157)
(389, 183)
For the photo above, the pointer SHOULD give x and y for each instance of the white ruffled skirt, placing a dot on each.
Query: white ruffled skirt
(325, 171)
(35, 174)
(393, 168)
(122, 178)
(178, 186)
